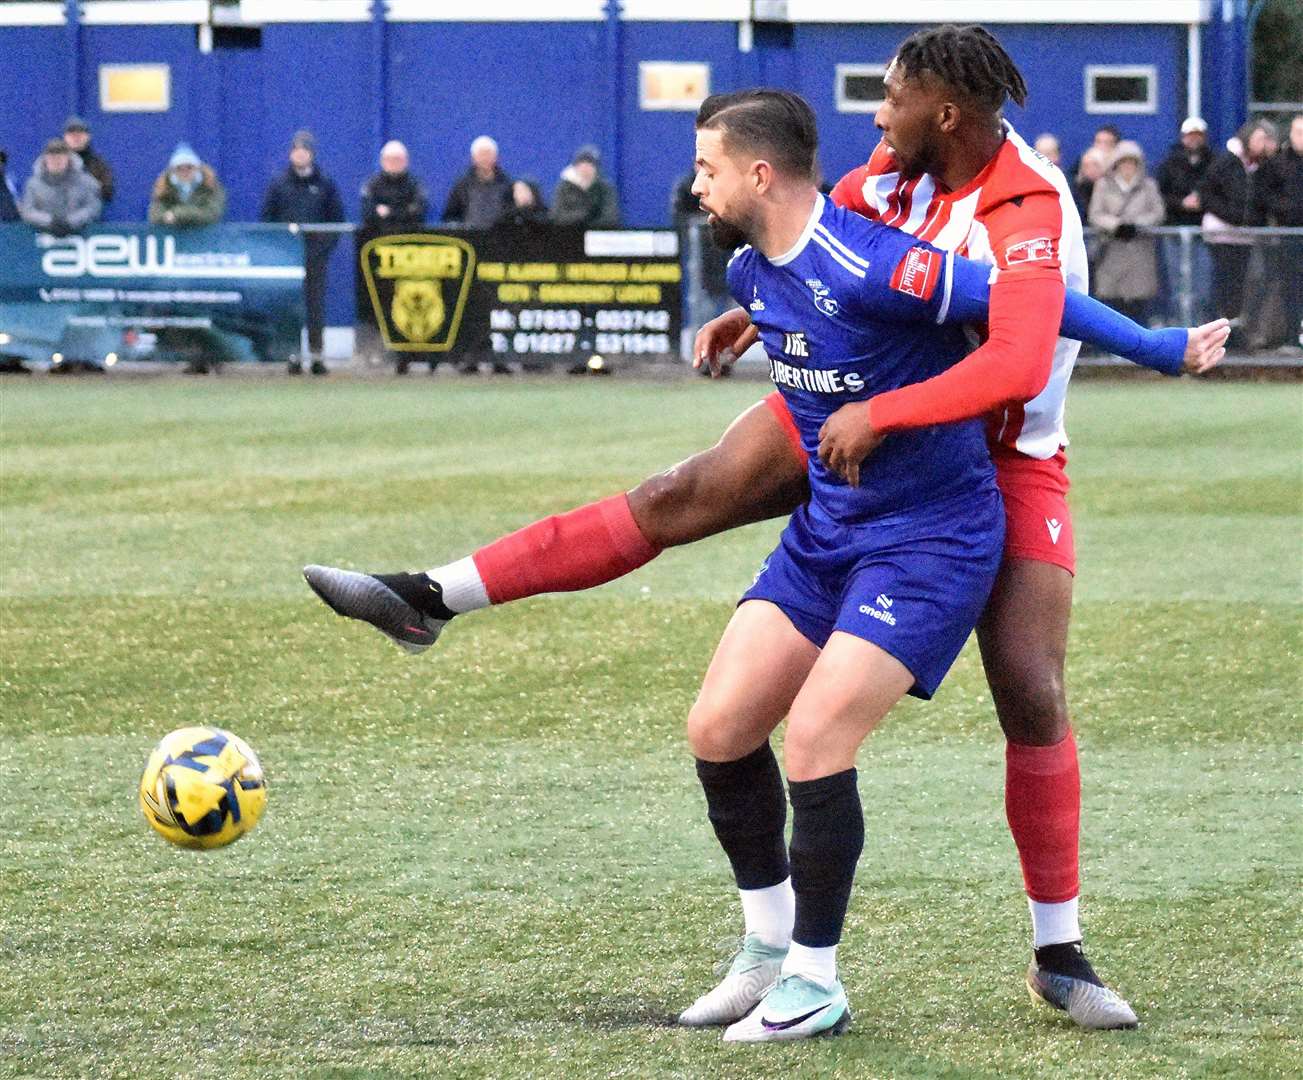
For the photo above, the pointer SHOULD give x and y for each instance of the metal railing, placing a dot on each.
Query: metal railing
(1272, 280)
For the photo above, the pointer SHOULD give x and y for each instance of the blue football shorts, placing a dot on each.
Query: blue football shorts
(913, 584)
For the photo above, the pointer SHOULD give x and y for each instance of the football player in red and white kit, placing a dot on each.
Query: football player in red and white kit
(951, 171)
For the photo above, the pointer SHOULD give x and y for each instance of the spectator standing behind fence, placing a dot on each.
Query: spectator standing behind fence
(8, 195)
(585, 197)
(303, 194)
(1047, 146)
(482, 197)
(1226, 195)
(76, 133)
(60, 196)
(393, 197)
(1179, 177)
(1279, 194)
(1126, 200)
(187, 193)
(1093, 164)
(527, 205)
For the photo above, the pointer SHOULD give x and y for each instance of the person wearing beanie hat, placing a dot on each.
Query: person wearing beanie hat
(1124, 201)
(303, 194)
(76, 133)
(60, 196)
(583, 196)
(187, 193)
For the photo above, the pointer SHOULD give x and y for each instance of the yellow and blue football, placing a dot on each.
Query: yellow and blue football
(202, 788)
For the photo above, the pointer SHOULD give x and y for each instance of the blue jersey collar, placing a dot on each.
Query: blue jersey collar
(802, 240)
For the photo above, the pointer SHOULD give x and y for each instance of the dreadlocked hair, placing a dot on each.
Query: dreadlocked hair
(968, 59)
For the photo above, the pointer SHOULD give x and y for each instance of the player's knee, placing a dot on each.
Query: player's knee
(1032, 704)
(716, 733)
(811, 748)
(664, 505)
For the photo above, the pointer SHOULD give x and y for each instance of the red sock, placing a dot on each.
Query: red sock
(565, 553)
(1042, 798)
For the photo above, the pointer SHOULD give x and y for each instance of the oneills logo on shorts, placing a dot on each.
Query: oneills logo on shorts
(917, 273)
(418, 285)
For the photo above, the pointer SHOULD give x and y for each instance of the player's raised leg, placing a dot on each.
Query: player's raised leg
(852, 686)
(755, 674)
(1023, 637)
(755, 471)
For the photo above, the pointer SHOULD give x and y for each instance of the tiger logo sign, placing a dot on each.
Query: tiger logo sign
(405, 277)
(417, 311)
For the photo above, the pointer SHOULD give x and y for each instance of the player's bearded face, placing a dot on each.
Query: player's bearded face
(907, 120)
(719, 187)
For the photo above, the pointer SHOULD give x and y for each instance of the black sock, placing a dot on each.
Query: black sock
(744, 800)
(421, 591)
(827, 838)
(1066, 958)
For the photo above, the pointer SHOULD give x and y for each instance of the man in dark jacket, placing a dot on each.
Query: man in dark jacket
(1182, 171)
(304, 194)
(1179, 177)
(482, 197)
(583, 196)
(1226, 195)
(1279, 196)
(76, 133)
(393, 197)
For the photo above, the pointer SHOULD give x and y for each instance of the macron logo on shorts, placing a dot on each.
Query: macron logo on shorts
(917, 273)
(1055, 526)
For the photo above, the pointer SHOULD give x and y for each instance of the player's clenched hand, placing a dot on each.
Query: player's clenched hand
(846, 439)
(723, 340)
(1205, 347)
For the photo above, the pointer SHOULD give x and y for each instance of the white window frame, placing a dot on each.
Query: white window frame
(107, 70)
(844, 104)
(646, 67)
(1128, 71)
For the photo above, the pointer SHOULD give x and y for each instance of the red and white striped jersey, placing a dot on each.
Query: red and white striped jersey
(958, 221)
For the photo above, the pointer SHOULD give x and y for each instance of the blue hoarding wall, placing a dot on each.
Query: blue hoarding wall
(540, 88)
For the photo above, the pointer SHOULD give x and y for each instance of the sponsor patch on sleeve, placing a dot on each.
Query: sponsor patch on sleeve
(917, 273)
(1033, 250)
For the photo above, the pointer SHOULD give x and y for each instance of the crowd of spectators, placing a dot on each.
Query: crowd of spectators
(1255, 181)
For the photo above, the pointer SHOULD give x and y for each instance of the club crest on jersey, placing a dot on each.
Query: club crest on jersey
(917, 273)
(823, 299)
(1038, 249)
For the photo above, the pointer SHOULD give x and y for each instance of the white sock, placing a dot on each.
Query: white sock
(817, 965)
(1054, 923)
(463, 589)
(770, 912)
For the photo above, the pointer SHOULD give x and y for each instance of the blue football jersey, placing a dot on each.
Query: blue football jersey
(852, 310)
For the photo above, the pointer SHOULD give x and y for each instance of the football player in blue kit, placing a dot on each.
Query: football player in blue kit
(876, 582)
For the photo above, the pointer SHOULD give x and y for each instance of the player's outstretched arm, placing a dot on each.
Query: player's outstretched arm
(1173, 351)
(722, 340)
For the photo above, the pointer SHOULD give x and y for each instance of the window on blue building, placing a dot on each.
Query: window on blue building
(1117, 88)
(860, 87)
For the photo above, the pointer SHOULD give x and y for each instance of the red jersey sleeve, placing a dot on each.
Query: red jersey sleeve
(1015, 362)
(848, 192)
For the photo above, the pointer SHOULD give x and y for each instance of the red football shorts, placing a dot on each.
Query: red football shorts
(1038, 524)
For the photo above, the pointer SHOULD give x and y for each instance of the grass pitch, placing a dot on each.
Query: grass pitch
(493, 860)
